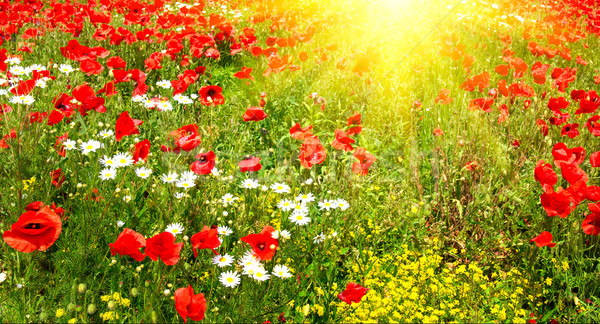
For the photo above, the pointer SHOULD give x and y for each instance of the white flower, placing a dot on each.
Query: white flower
(65, 68)
(143, 172)
(185, 100)
(3, 92)
(225, 213)
(70, 144)
(108, 173)
(306, 198)
(126, 199)
(165, 84)
(36, 67)
(175, 228)
(215, 172)
(107, 133)
(250, 269)
(281, 271)
(223, 260)
(169, 177)
(342, 204)
(308, 181)
(120, 223)
(285, 234)
(188, 175)
(228, 199)
(249, 259)
(299, 218)
(280, 188)
(260, 274)
(123, 160)
(2, 277)
(18, 70)
(179, 195)
(167, 292)
(40, 83)
(13, 60)
(250, 184)
(319, 238)
(90, 146)
(327, 204)
(194, 96)
(164, 106)
(185, 183)
(230, 279)
(138, 98)
(264, 188)
(224, 230)
(107, 162)
(285, 204)
(300, 208)
(26, 99)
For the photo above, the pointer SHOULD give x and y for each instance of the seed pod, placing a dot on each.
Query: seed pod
(81, 288)
(112, 305)
(91, 309)
(134, 292)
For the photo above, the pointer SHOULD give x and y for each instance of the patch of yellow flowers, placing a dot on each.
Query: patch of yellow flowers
(418, 287)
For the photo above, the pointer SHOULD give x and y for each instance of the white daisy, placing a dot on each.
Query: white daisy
(165, 84)
(107, 162)
(184, 100)
(228, 199)
(123, 160)
(342, 204)
(185, 183)
(36, 67)
(250, 184)
(285, 204)
(70, 145)
(27, 100)
(261, 275)
(300, 208)
(319, 238)
(90, 146)
(215, 172)
(13, 60)
(107, 133)
(230, 279)
(327, 204)
(164, 106)
(143, 172)
(281, 271)
(169, 177)
(224, 230)
(126, 199)
(120, 223)
(188, 175)
(299, 219)
(108, 173)
(141, 98)
(17, 70)
(306, 198)
(40, 83)
(223, 260)
(264, 188)
(249, 260)
(309, 181)
(175, 228)
(194, 96)
(3, 92)
(285, 234)
(280, 188)
(65, 68)
(249, 270)
(179, 195)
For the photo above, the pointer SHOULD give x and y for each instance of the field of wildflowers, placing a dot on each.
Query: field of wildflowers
(301, 161)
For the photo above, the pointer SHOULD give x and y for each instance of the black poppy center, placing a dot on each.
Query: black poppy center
(261, 246)
(210, 93)
(33, 226)
(203, 159)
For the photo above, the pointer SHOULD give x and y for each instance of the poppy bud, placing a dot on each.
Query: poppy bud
(134, 292)
(81, 288)
(112, 305)
(79, 309)
(147, 284)
(43, 317)
(91, 309)
(71, 307)
(153, 317)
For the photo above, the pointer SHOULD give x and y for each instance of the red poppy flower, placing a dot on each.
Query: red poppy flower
(207, 238)
(573, 174)
(91, 67)
(312, 152)
(250, 164)
(204, 163)
(353, 293)
(559, 203)
(142, 149)
(563, 155)
(544, 239)
(254, 114)
(244, 73)
(299, 133)
(129, 242)
(126, 126)
(263, 244)
(570, 130)
(591, 223)
(471, 166)
(342, 141)
(116, 62)
(593, 125)
(211, 95)
(189, 304)
(57, 177)
(545, 175)
(354, 124)
(365, 160)
(163, 245)
(438, 131)
(187, 137)
(444, 97)
(35, 230)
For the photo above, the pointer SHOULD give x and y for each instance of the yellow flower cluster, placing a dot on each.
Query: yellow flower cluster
(116, 297)
(109, 316)
(418, 287)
